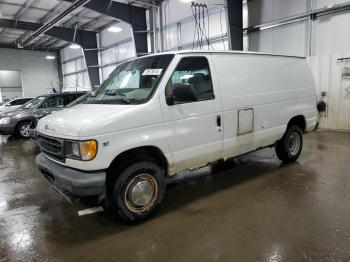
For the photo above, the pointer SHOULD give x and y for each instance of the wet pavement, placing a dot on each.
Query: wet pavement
(255, 209)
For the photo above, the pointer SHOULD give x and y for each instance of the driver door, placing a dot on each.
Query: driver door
(194, 129)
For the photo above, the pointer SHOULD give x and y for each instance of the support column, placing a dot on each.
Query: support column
(91, 58)
(59, 70)
(140, 40)
(89, 42)
(235, 23)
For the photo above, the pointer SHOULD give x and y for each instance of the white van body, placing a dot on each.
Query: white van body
(256, 96)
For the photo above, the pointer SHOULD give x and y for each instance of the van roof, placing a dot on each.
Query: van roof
(222, 52)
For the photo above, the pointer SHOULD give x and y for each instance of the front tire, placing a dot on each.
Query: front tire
(289, 148)
(23, 129)
(137, 191)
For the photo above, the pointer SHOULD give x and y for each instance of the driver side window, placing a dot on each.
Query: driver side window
(193, 73)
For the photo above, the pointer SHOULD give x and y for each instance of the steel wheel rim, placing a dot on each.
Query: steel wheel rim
(25, 130)
(141, 193)
(294, 143)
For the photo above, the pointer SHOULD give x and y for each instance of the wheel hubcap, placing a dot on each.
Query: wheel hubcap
(141, 193)
(294, 143)
(25, 130)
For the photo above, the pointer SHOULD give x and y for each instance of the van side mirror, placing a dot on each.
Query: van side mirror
(170, 100)
(181, 93)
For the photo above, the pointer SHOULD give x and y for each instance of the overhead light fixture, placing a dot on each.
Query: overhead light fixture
(50, 57)
(75, 46)
(114, 29)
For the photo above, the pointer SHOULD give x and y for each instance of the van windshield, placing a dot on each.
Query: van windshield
(132, 82)
(79, 100)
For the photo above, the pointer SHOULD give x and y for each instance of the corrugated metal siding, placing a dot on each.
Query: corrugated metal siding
(328, 75)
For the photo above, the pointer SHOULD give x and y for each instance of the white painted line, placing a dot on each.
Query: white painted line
(89, 211)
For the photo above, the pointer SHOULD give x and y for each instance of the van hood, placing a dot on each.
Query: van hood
(86, 120)
(39, 113)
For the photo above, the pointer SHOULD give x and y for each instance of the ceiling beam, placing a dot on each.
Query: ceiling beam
(19, 13)
(65, 34)
(50, 12)
(31, 48)
(46, 27)
(96, 19)
(52, 43)
(53, 11)
(125, 12)
(134, 15)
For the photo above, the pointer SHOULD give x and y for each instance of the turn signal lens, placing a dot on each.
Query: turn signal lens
(88, 150)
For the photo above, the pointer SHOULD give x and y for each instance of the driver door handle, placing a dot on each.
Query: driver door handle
(218, 120)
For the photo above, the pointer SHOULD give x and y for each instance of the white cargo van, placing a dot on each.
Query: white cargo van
(164, 113)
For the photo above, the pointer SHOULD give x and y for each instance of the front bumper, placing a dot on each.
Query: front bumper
(71, 181)
(7, 130)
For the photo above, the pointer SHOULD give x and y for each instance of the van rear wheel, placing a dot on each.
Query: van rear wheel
(137, 191)
(289, 148)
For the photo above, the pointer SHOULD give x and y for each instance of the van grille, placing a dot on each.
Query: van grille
(52, 147)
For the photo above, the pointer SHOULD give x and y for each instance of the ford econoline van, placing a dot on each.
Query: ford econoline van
(164, 113)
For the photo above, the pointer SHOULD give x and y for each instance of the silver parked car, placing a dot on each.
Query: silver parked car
(14, 104)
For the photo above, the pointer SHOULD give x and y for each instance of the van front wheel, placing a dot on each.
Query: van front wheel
(288, 149)
(137, 191)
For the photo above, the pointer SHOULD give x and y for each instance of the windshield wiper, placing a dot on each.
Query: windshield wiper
(109, 101)
(115, 93)
(122, 95)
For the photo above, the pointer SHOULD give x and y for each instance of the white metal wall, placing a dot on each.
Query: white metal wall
(179, 25)
(10, 85)
(328, 71)
(330, 40)
(74, 70)
(115, 48)
(39, 75)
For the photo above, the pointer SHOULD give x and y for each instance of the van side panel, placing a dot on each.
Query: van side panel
(276, 88)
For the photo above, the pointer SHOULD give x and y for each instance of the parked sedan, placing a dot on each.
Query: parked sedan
(18, 122)
(40, 114)
(14, 104)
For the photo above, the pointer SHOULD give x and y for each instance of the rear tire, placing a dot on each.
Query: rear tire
(23, 129)
(137, 191)
(289, 148)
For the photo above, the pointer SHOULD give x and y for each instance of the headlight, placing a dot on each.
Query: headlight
(85, 150)
(5, 121)
(75, 149)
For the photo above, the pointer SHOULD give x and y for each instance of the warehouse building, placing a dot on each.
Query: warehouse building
(174, 130)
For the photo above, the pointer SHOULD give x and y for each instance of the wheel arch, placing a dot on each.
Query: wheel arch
(152, 153)
(299, 121)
